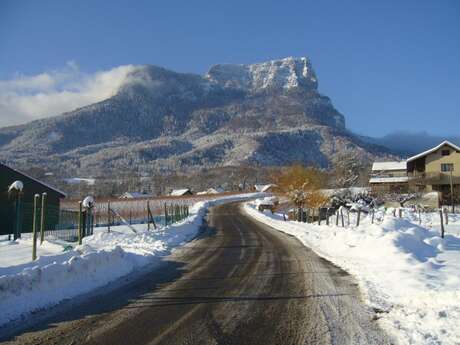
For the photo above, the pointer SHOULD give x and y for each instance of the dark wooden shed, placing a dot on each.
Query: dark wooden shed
(32, 186)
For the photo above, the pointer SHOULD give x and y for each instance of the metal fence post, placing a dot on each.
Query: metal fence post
(337, 218)
(359, 217)
(373, 215)
(327, 216)
(17, 232)
(108, 216)
(43, 219)
(446, 216)
(319, 216)
(80, 222)
(166, 215)
(34, 228)
(148, 216)
(442, 224)
(89, 220)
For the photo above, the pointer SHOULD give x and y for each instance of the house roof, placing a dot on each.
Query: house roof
(78, 180)
(394, 165)
(399, 179)
(445, 142)
(135, 195)
(263, 187)
(34, 179)
(211, 191)
(180, 192)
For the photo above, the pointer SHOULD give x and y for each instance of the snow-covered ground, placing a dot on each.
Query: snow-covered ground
(405, 270)
(14, 253)
(26, 285)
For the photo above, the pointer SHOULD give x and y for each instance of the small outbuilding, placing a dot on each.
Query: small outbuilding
(31, 186)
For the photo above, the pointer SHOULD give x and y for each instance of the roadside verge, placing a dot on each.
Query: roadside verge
(407, 273)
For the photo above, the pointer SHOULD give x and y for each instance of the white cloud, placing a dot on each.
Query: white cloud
(26, 98)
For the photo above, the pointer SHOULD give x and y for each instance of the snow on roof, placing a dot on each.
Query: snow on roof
(34, 179)
(180, 192)
(353, 190)
(134, 195)
(211, 191)
(445, 142)
(399, 179)
(263, 187)
(78, 180)
(394, 165)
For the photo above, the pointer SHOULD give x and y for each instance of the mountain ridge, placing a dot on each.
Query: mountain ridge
(268, 113)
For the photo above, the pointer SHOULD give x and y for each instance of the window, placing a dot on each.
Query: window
(446, 167)
(445, 152)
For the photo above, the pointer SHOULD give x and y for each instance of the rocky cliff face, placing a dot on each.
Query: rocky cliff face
(267, 114)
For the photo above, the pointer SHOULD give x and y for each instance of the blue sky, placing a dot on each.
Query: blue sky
(387, 65)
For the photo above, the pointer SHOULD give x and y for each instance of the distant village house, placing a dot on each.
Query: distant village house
(181, 192)
(135, 195)
(208, 191)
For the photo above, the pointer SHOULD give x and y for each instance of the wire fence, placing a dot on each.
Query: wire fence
(344, 217)
(53, 222)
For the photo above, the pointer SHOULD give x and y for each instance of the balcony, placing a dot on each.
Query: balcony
(425, 178)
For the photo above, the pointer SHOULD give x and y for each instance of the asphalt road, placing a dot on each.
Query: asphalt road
(239, 282)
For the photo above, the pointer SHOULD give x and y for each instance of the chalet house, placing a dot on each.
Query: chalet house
(437, 169)
(32, 186)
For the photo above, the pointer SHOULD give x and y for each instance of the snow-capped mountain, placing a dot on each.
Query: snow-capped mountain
(285, 74)
(267, 113)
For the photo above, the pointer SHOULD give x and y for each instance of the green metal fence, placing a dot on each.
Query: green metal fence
(53, 222)
(66, 228)
(57, 223)
(175, 213)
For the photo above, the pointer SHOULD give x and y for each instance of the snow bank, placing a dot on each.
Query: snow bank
(404, 270)
(101, 259)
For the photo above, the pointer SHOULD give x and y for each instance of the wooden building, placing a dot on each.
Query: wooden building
(32, 186)
(389, 177)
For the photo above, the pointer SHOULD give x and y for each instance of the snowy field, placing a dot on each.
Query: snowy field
(26, 286)
(407, 272)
